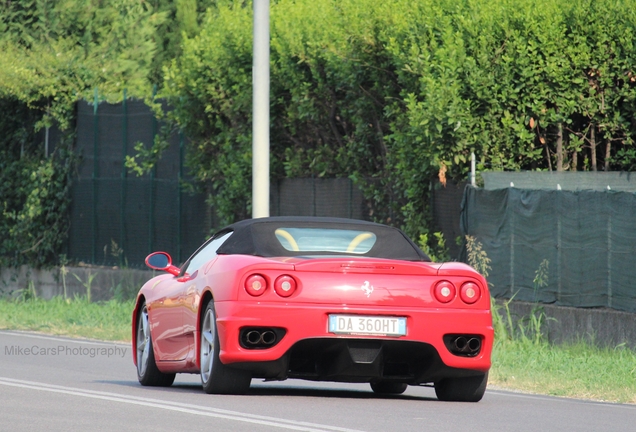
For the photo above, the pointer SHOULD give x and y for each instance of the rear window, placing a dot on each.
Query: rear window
(325, 240)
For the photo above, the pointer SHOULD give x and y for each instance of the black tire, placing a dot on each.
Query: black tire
(147, 372)
(217, 378)
(388, 387)
(469, 389)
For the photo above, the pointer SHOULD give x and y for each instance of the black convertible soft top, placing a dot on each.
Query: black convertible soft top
(257, 237)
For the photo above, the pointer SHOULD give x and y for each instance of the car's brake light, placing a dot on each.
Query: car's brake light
(444, 291)
(255, 285)
(470, 292)
(285, 286)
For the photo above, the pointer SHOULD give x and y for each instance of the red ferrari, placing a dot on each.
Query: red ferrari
(317, 299)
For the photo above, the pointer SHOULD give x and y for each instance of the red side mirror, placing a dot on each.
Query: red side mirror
(162, 261)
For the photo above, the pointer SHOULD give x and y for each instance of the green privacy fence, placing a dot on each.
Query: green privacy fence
(584, 242)
(118, 218)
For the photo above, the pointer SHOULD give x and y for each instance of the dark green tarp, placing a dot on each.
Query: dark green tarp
(588, 239)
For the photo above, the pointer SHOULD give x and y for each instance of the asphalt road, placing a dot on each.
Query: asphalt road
(58, 384)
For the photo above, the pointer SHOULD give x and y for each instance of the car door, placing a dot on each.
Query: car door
(173, 312)
(197, 268)
(166, 315)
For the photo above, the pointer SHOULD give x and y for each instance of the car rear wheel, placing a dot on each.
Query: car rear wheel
(388, 387)
(147, 372)
(216, 377)
(469, 389)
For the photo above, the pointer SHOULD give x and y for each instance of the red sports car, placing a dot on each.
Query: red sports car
(318, 299)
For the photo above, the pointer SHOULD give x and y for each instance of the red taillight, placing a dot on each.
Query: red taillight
(470, 292)
(255, 285)
(444, 291)
(285, 286)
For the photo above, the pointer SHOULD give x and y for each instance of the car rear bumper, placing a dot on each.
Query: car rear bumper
(306, 330)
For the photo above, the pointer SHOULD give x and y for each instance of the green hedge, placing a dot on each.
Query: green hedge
(53, 53)
(404, 91)
(33, 191)
(393, 94)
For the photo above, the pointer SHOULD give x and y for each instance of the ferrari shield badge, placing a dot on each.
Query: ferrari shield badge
(367, 288)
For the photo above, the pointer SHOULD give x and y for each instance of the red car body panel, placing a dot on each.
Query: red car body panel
(310, 321)
(350, 285)
(324, 286)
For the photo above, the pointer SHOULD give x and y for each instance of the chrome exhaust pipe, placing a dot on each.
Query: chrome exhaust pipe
(260, 337)
(268, 337)
(460, 344)
(463, 345)
(253, 337)
(474, 345)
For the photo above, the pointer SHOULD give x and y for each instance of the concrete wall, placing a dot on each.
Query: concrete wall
(603, 327)
(104, 282)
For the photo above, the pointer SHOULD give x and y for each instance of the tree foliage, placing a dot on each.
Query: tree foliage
(328, 88)
(394, 94)
(33, 190)
(53, 54)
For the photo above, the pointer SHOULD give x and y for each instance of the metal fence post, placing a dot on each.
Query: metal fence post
(511, 208)
(559, 246)
(313, 191)
(179, 200)
(609, 249)
(350, 198)
(95, 175)
(122, 215)
(153, 172)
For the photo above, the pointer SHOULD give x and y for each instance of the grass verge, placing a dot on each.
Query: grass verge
(524, 360)
(75, 318)
(575, 370)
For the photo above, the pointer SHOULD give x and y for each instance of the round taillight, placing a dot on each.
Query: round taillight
(255, 285)
(285, 286)
(470, 292)
(444, 291)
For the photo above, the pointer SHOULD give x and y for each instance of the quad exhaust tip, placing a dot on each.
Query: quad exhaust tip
(256, 337)
(463, 345)
(261, 337)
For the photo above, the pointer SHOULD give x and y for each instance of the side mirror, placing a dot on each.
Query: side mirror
(161, 261)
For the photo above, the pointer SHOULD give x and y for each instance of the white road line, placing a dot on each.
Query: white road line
(176, 406)
(512, 393)
(60, 339)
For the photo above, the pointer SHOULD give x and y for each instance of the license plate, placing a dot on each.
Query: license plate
(367, 325)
